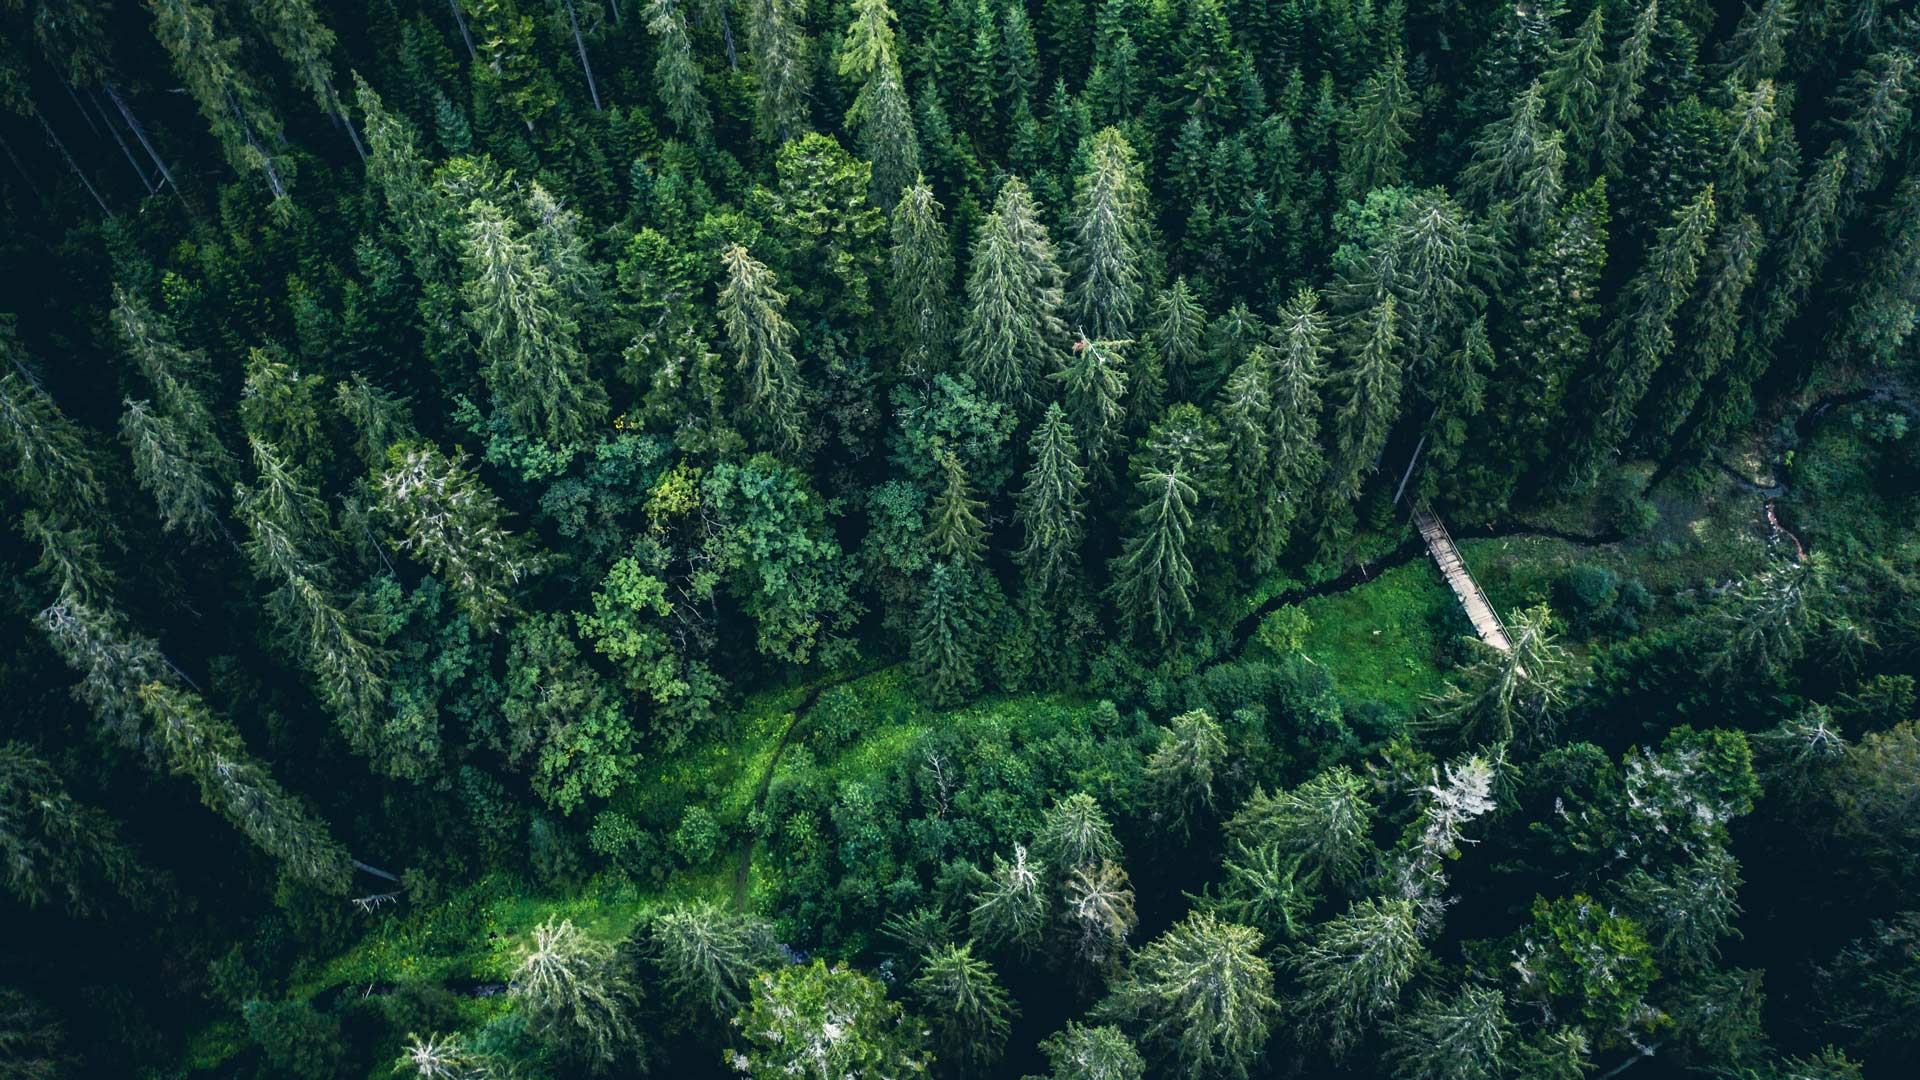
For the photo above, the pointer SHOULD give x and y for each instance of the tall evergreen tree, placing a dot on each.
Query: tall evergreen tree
(1153, 577)
(753, 313)
(1887, 305)
(1758, 48)
(1051, 508)
(305, 42)
(235, 107)
(955, 532)
(1369, 402)
(1176, 339)
(920, 281)
(1713, 327)
(1375, 133)
(676, 71)
(47, 453)
(449, 520)
(1517, 162)
(528, 338)
(54, 846)
(778, 41)
(971, 1012)
(951, 631)
(1094, 382)
(1620, 106)
(1202, 992)
(1012, 333)
(1574, 82)
(1644, 331)
(1352, 969)
(1110, 242)
(880, 117)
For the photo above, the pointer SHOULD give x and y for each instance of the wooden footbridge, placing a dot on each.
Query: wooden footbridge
(1446, 555)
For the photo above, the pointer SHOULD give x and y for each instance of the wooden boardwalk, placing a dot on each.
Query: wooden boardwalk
(1486, 621)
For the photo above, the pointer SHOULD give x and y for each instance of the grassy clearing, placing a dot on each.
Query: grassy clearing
(1381, 640)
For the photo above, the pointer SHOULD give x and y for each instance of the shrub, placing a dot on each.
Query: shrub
(1284, 630)
(697, 837)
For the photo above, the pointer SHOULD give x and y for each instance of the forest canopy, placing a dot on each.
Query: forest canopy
(882, 538)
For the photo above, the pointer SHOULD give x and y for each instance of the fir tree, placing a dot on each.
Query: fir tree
(1351, 971)
(1051, 508)
(779, 45)
(1452, 1038)
(1153, 577)
(55, 847)
(1110, 242)
(708, 956)
(1645, 331)
(47, 453)
(1083, 1052)
(951, 630)
(1376, 130)
(1011, 905)
(1368, 402)
(449, 520)
(880, 118)
(920, 278)
(752, 311)
(1620, 106)
(955, 532)
(1013, 331)
(528, 337)
(1713, 327)
(1203, 993)
(238, 111)
(676, 73)
(1517, 162)
(576, 994)
(304, 42)
(1094, 385)
(1882, 317)
(1758, 48)
(1175, 343)
(971, 1013)
(1573, 85)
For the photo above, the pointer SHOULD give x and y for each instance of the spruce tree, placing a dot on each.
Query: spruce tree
(1153, 577)
(55, 847)
(528, 338)
(1368, 402)
(235, 107)
(1010, 909)
(1350, 972)
(1644, 331)
(1012, 335)
(951, 631)
(1573, 85)
(1375, 132)
(304, 42)
(47, 454)
(1713, 327)
(176, 375)
(1517, 162)
(707, 956)
(1887, 304)
(920, 281)
(970, 1011)
(577, 994)
(452, 524)
(1297, 365)
(1110, 242)
(955, 532)
(1620, 105)
(753, 313)
(1452, 1038)
(1202, 993)
(1083, 1052)
(1094, 385)
(1051, 508)
(1176, 340)
(676, 72)
(781, 68)
(1758, 48)
(880, 117)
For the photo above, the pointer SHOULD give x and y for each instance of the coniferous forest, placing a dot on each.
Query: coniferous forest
(1075, 539)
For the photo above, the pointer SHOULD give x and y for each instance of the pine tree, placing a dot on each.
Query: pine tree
(955, 532)
(528, 343)
(708, 956)
(1517, 162)
(1644, 330)
(305, 43)
(1245, 411)
(452, 524)
(1882, 317)
(1875, 115)
(1296, 367)
(752, 311)
(1620, 107)
(1110, 242)
(1713, 328)
(577, 994)
(1013, 331)
(1153, 577)
(1351, 971)
(676, 73)
(1181, 770)
(1368, 403)
(1177, 327)
(1203, 993)
(1320, 828)
(175, 374)
(1758, 48)
(1375, 132)
(1094, 385)
(235, 107)
(1051, 508)
(1573, 84)
(779, 45)
(951, 631)
(1011, 907)
(208, 750)
(1075, 834)
(920, 279)
(880, 118)
(48, 454)
(971, 1012)
(1082, 1052)
(55, 847)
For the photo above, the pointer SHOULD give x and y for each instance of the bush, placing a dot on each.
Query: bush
(1284, 630)
(697, 837)
(1596, 602)
(837, 718)
(1625, 507)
